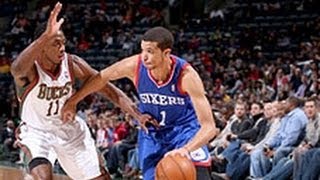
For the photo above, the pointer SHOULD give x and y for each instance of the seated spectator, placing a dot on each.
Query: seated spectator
(309, 167)
(238, 116)
(104, 139)
(237, 127)
(117, 155)
(8, 139)
(283, 142)
(133, 167)
(296, 161)
(238, 160)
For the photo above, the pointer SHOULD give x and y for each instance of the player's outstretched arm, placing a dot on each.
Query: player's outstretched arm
(94, 82)
(192, 84)
(23, 67)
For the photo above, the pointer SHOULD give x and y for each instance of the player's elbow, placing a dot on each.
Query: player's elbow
(213, 132)
(14, 68)
(210, 129)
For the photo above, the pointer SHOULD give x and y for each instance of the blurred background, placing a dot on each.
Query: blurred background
(249, 49)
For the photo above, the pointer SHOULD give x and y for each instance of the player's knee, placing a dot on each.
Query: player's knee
(104, 175)
(40, 168)
(104, 172)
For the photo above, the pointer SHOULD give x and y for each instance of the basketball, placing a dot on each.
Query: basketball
(175, 168)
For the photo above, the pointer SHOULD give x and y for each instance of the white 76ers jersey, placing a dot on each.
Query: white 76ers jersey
(43, 99)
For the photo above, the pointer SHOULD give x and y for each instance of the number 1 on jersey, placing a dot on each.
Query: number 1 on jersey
(163, 118)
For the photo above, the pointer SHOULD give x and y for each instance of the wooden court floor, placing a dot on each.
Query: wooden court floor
(7, 173)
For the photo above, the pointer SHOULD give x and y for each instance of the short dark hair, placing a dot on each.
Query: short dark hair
(160, 35)
(295, 101)
(312, 99)
(241, 103)
(258, 103)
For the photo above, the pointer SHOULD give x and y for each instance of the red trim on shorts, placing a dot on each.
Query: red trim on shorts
(137, 72)
(180, 80)
(206, 163)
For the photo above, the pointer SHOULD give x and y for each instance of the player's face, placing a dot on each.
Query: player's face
(151, 55)
(55, 49)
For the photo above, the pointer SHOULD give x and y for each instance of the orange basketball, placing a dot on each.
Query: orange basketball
(175, 168)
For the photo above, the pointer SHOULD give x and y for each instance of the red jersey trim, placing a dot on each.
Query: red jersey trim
(29, 88)
(27, 91)
(180, 79)
(70, 66)
(137, 72)
(52, 76)
(166, 82)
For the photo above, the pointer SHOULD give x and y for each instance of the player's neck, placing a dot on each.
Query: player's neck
(162, 73)
(49, 66)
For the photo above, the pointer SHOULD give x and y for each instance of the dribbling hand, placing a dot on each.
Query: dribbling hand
(53, 25)
(181, 151)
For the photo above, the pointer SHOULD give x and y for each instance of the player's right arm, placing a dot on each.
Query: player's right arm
(121, 69)
(23, 69)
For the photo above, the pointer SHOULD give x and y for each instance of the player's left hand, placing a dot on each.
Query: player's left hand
(68, 111)
(181, 151)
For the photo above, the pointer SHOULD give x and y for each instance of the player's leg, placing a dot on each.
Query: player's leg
(104, 173)
(201, 159)
(41, 168)
(203, 173)
(78, 155)
(150, 153)
(34, 143)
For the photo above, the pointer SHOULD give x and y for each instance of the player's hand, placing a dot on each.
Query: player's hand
(53, 24)
(145, 119)
(181, 151)
(68, 111)
(269, 153)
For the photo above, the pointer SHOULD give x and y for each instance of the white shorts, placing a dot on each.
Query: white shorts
(70, 143)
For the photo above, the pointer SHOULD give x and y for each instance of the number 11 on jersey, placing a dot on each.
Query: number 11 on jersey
(163, 118)
(55, 110)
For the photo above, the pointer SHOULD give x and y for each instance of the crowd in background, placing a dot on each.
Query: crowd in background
(247, 52)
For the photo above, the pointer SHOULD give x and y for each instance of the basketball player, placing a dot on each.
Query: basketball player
(171, 91)
(44, 74)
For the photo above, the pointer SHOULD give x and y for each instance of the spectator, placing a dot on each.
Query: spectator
(117, 156)
(8, 139)
(283, 142)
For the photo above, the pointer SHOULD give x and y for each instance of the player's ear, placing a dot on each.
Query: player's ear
(167, 52)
